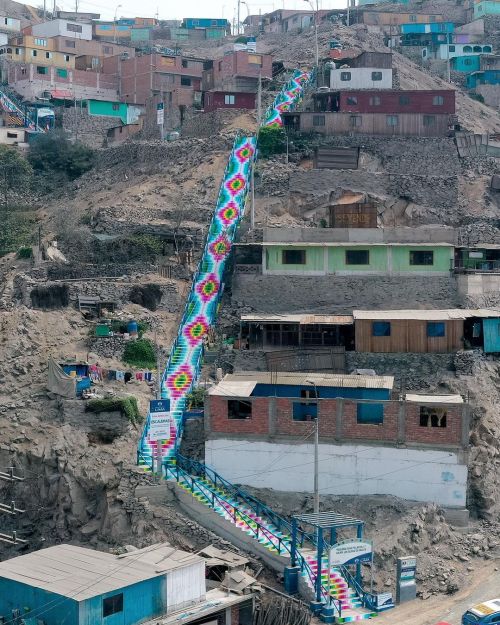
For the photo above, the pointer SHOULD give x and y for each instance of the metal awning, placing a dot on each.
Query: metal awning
(233, 388)
(300, 319)
(434, 399)
(328, 520)
(424, 315)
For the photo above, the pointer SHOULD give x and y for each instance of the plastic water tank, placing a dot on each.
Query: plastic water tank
(132, 328)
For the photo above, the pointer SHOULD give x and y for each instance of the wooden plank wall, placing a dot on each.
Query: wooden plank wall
(409, 336)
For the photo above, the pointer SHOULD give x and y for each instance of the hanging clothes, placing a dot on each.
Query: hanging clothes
(120, 376)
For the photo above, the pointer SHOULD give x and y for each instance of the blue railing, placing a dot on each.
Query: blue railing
(259, 508)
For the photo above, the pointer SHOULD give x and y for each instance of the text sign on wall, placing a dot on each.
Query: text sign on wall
(160, 420)
(160, 114)
(408, 568)
(351, 551)
(406, 586)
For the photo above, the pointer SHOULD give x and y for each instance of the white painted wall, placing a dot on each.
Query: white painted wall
(59, 28)
(361, 78)
(414, 474)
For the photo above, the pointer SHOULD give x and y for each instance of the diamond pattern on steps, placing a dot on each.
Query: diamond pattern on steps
(202, 306)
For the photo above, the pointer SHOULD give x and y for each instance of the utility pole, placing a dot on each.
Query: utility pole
(448, 62)
(316, 448)
(316, 464)
(259, 102)
(238, 18)
(44, 10)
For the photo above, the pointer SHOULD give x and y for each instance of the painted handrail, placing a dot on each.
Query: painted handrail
(260, 509)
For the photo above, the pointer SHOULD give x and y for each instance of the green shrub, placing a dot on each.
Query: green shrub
(147, 244)
(16, 230)
(140, 353)
(53, 152)
(126, 405)
(25, 252)
(271, 141)
(196, 398)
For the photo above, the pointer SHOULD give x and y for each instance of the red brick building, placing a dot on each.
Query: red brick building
(238, 71)
(154, 78)
(260, 432)
(228, 100)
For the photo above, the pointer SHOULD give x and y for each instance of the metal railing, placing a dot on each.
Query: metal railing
(476, 266)
(282, 525)
(235, 513)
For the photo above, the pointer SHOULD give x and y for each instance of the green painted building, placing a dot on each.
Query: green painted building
(126, 113)
(336, 258)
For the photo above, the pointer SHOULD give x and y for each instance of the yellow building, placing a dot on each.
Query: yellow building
(37, 50)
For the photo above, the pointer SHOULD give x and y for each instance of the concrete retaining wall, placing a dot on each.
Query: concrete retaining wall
(438, 476)
(215, 523)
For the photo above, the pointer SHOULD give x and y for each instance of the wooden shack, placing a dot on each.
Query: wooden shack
(417, 331)
(352, 210)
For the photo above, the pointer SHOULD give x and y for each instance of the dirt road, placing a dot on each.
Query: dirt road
(484, 584)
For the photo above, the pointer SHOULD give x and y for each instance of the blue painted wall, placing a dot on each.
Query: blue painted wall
(324, 392)
(53, 609)
(197, 22)
(491, 332)
(141, 602)
(433, 27)
(488, 77)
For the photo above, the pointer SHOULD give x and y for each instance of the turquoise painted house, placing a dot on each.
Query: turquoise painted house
(466, 64)
(486, 77)
(75, 586)
(126, 113)
(343, 259)
(491, 335)
(486, 7)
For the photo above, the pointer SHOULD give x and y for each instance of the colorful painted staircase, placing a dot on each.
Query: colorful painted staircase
(184, 365)
(202, 306)
(339, 589)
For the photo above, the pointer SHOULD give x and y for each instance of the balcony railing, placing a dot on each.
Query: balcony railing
(476, 266)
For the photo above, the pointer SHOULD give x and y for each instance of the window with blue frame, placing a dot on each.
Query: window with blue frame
(436, 329)
(305, 412)
(381, 328)
(371, 414)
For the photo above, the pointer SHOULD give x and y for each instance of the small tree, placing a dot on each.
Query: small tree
(53, 152)
(272, 140)
(15, 172)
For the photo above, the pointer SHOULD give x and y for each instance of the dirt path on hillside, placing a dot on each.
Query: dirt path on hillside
(484, 584)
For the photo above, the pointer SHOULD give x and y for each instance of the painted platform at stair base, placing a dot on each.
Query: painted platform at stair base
(351, 604)
(212, 521)
(436, 475)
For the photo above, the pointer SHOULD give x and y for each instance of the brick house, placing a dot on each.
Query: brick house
(154, 78)
(238, 71)
(264, 420)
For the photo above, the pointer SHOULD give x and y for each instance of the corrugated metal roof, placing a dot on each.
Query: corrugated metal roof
(301, 319)
(82, 573)
(424, 315)
(349, 244)
(237, 388)
(434, 399)
(305, 379)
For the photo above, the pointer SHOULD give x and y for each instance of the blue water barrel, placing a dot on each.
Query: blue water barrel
(132, 327)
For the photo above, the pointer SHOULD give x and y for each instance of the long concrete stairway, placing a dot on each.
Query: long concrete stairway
(248, 514)
(208, 489)
(202, 305)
